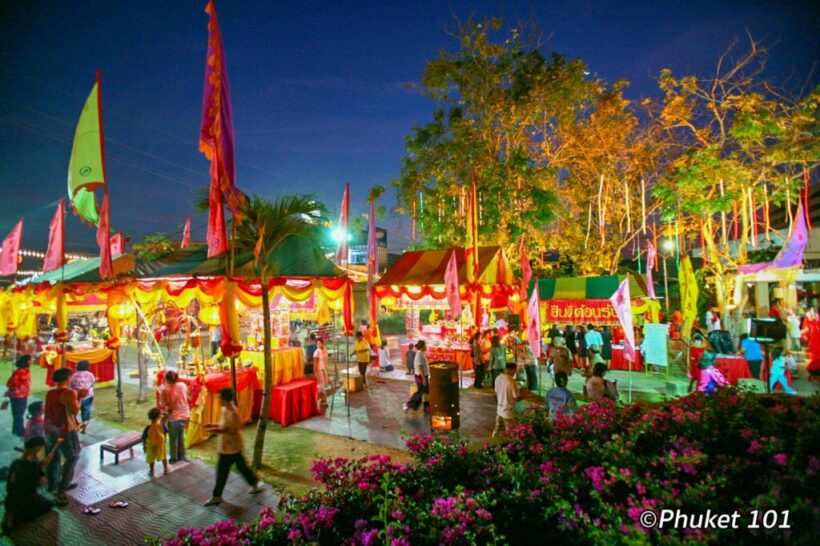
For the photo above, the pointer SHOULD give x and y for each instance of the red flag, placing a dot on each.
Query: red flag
(117, 244)
(451, 284)
(216, 139)
(55, 254)
(217, 236)
(534, 324)
(622, 303)
(341, 252)
(104, 240)
(186, 234)
(651, 260)
(11, 248)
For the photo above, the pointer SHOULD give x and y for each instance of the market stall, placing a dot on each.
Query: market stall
(416, 282)
(287, 363)
(102, 363)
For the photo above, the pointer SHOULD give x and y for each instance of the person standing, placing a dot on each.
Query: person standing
(751, 351)
(593, 336)
(811, 333)
(421, 370)
(507, 394)
(216, 339)
(583, 351)
(83, 381)
(361, 350)
(61, 426)
(410, 358)
(18, 387)
(384, 358)
(478, 365)
(571, 343)
(793, 322)
(320, 369)
(230, 448)
(23, 499)
(561, 359)
(606, 348)
(153, 442)
(310, 349)
(486, 349)
(498, 358)
(174, 400)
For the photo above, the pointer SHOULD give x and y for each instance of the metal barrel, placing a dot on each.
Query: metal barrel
(444, 396)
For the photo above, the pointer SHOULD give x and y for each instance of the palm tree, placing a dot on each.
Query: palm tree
(264, 227)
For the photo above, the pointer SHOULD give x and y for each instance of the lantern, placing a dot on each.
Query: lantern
(337, 304)
(121, 311)
(388, 301)
(210, 315)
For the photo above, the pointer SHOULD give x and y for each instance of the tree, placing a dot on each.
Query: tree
(539, 133)
(745, 146)
(265, 226)
(153, 247)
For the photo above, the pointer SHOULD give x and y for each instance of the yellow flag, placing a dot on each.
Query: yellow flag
(688, 296)
(86, 169)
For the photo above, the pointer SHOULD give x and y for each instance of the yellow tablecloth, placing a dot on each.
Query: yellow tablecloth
(287, 363)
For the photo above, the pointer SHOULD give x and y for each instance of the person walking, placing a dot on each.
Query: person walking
(174, 400)
(583, 352)
(320, 369)
(384, 358)
(17, 390)
(421, 371)
(216, 339)
(61, 426)
(777, 374)
(361, 350)
(230, 448)
(498, 358)
(83, 381)
(507, 394)
(751, 351)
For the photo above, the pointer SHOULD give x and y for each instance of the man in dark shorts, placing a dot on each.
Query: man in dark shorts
(23, 499)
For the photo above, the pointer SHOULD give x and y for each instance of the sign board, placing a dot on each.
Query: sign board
(655, 338)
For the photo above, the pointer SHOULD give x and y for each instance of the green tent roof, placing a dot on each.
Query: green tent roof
(589, 288)
(87, 270)
(295, 258)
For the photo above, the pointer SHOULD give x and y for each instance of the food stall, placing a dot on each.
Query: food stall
(416, 282)
(585, 300)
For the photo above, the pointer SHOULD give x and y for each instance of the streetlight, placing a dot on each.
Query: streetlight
(668, 246)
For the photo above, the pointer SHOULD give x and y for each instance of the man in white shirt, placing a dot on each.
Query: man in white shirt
(507, 393)
(593, 336)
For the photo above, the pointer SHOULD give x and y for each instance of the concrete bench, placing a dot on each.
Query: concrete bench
(125, 442)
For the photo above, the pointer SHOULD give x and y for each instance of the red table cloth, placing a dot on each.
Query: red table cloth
(733, 368)
(294, 401)
(104, 370)
(618, 361)
(214, 382)
(441, 354)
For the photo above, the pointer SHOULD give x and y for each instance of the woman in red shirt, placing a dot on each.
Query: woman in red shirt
(19, 385)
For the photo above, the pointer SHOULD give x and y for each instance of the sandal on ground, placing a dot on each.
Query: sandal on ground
(91, 511)
(119, 504)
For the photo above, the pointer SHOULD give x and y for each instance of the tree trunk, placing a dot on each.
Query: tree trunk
(262, 424)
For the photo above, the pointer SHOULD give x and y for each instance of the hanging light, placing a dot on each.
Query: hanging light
(210, 315)
(122, 310)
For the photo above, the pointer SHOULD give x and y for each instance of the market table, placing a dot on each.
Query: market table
(102, 363)
(618, 361)
(203, 392)
(733, 367)
(295, 401)
(459, 355)
(287, 363)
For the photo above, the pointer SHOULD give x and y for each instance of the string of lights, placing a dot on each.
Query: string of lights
(34, 254)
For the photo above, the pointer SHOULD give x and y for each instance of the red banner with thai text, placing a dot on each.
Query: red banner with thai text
(579, 312)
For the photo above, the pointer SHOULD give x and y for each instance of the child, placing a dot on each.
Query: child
(411, 358)
(384, 358)
(778, 372)
(35, 426)
(153, 442)
(83, 382)
(559, 400)
(710, 377)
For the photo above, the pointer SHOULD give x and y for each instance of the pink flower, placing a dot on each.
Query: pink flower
(781, 459)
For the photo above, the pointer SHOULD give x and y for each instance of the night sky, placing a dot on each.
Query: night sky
(323, 92)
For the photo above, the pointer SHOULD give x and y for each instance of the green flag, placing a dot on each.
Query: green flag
(86, 170)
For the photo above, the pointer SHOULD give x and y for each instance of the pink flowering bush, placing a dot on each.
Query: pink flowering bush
(583, 479)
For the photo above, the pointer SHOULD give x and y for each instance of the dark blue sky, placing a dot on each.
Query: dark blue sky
(323, 92)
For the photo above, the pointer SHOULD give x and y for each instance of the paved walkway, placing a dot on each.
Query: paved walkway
(157, 507)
